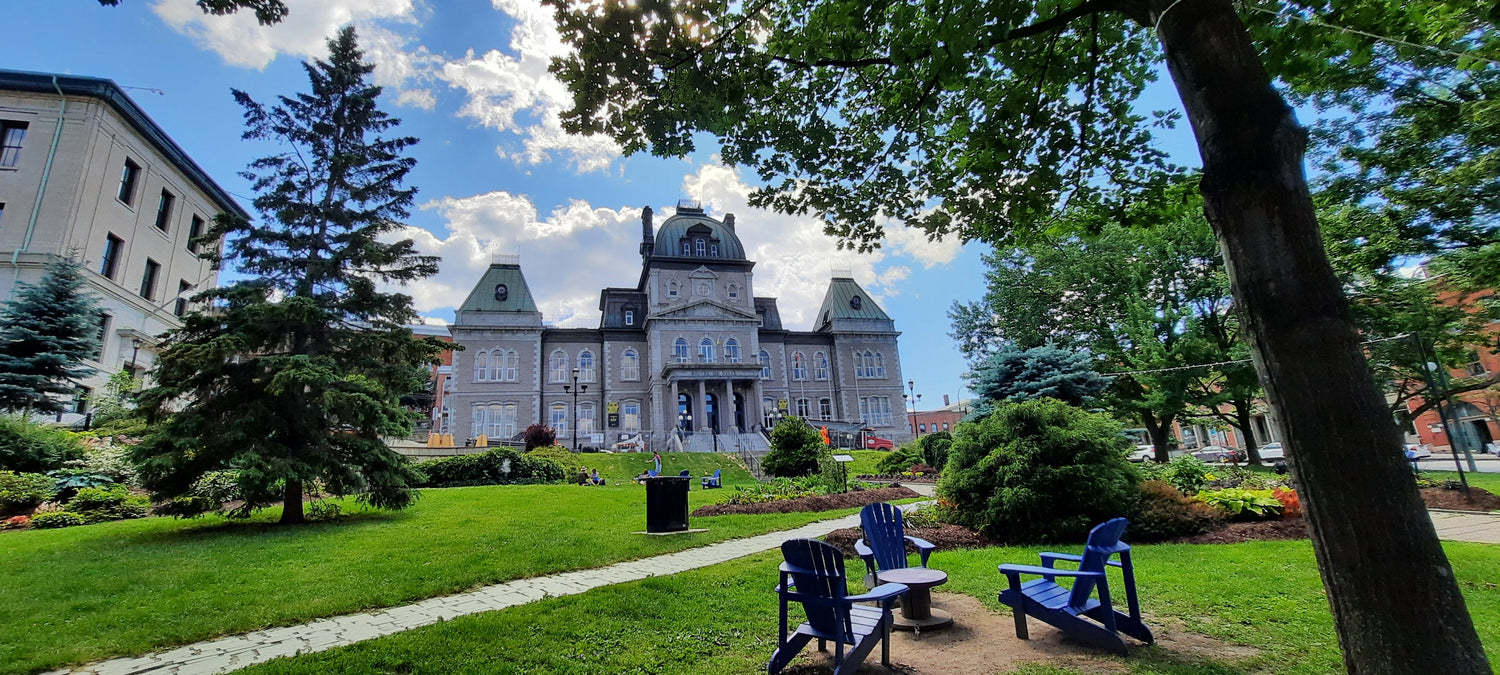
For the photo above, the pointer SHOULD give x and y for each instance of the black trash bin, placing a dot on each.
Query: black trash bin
(667, 504)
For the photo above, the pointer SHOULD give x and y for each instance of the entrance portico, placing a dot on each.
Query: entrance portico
(720, 397)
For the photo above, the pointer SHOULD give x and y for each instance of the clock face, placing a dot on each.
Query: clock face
(501, 292)
(856, 302)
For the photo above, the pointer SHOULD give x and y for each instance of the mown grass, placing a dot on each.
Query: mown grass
(81, 594)
(622, 467)
(1488, 481)
(722, 619)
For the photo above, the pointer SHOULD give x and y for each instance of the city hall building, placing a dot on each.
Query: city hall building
(690, 347)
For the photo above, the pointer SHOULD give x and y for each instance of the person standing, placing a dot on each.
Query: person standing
(656, 457)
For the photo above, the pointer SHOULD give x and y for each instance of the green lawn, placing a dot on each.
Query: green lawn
(622, 467)
(1488, 481)
(722, 619)
(81, 594)
(864, 461)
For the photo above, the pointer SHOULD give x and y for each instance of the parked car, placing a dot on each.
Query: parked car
(1143, 453)
(878, 443)
(1272, 452)
(1415, 451)
(1218, 454)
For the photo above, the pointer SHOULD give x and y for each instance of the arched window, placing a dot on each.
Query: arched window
(922, 428)
(732, 351)
(765, 364)
(630, 416)
(945, 426)
(481, 366)
(706, 350)
(799, 366)
(585, 418)
(713, 250)
(481, 415)
(687, 248)
(698, 245)
(673, 286)
(825, 408)
(511, 364)
(820, 366)
(630, 365)
(557, 418)
(585, 366)
(879, 365)
(804, 408)
(733, 291)
(680, 350)
(557, 367)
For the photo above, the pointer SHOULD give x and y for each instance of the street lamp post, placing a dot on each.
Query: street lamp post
(912, 398)
(576, 389)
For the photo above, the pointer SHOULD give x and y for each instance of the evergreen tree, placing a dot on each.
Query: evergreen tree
(45, 334)
(295, 374)
(1015, 374)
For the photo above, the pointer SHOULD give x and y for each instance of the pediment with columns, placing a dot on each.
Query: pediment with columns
(704, 308)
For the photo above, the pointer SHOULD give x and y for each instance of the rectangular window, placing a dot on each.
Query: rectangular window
(195, 230)
(182, 292)
(164, 210)
(804, 408)
(103, 331)
(630, 416)
(148, 280)
(825, 408)
(1474, 367)
(558, 418)
(629, 317)
(11, 135)
(128, 178)
(110, 262)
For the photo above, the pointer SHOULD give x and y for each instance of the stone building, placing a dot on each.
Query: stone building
(690, 347)
(84, 171)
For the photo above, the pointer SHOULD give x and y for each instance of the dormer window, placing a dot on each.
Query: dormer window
(630, 317)
(699, 245)
(713, 250)
(687, 247)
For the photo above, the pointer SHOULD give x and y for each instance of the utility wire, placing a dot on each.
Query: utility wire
(1402, 336)
(1382, 38)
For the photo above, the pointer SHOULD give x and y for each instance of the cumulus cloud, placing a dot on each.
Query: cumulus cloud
(241, 41)
(914, 242)
(513, 92)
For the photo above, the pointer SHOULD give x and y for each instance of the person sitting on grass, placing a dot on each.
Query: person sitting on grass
(583, 475)
(595, 478)
(641, 477)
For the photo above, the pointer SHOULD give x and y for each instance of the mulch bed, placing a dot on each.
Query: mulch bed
(1444, 498)
(1265, 530)
(847, 500)
(945, 538)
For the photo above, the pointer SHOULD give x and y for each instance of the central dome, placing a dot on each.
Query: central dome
(691, 233)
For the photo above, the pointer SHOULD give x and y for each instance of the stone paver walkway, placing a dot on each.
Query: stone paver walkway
(239, 651)
(1473, 526)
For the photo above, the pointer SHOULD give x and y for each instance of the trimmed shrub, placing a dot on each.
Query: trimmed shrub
(795, 447)
(1165, 513)
(55, 519)
(1039, 470)
(935, 447)
(899, 460)
(98, 504)
(35, 448)
(501, 466)
(557, 453)
(22, 492)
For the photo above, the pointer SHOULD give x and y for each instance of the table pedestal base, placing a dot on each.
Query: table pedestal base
(935, 620)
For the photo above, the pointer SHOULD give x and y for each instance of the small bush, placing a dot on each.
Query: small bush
(1291, 505)
(55, 519)
(501, 466)
(98, 504)
(538, 436)
(1243, 504)
(1186, 473)
(186, 507)
(36, 448)
(1165, 513)
(899, 460)
(322, 509)
(22, 492)
(935, 447)
(795, 447)
(1040, 470)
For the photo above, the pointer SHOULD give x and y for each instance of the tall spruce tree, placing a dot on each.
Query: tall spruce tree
(1011, 373)
(293, 376)
(45, 334)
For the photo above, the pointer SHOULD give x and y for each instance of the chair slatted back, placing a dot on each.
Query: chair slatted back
(885, 534)
(1104, 541)
(820, 586)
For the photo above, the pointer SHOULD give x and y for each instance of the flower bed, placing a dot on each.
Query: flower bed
(905, 477)
(843, 500)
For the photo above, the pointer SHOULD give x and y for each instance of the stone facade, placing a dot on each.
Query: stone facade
(689, 347)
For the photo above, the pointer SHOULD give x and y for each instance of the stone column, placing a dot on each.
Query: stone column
(758, 406)
(700, 416)
(729, 396)
(672, 408)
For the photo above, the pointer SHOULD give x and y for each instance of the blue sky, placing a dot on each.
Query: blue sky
(495, 173)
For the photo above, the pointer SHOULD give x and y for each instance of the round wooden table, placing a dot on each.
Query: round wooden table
(917, 612)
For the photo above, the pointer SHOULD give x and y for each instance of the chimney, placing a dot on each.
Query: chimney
(729, 221)
(648, 233)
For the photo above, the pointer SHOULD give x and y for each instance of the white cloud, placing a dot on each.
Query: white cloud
(913, 242)
(515, 93)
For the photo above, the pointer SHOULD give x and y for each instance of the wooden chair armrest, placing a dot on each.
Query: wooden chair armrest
(1049, 557)
(881, 592)
(924, 547)
(1045, 571)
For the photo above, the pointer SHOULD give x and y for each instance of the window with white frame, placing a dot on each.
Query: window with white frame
(765, 364)
(875, 410)
(673, 286)
(699, 246)
(825, 408)
(630, 416)
(585, 366)
(732, 350)
(585, 418)
(706, 350)
(557, 418)
(879, 365)
(713, 250)
(557, 367)
(502, 420)
(481, 418)
(734, 291)
(804, 408)
(687, 247)
(799, 366)
(630, 365)
(509, 366)
(820, 366)
(680, 350)
(869, 365)
(1474, 367)
(481, 366)
(630, 317)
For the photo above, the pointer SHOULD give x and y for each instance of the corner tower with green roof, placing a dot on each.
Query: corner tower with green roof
(686, 357)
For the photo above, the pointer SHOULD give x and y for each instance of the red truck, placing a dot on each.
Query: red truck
(878, 443)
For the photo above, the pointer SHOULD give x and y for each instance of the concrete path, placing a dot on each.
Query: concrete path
(239, 651)
(1473, 526)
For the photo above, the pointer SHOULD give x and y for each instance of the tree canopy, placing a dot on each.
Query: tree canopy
(267, 12)
(1011, 373)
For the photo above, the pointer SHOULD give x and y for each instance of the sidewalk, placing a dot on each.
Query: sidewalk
(239, 651)
(1483, 528)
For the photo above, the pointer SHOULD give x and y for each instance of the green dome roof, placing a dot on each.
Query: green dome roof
(691, 224)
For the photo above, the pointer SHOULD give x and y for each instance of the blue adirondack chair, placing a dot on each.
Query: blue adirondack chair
(887, 539)
(813, 575)
(712, 481)
(684, 474)
(1066, 608)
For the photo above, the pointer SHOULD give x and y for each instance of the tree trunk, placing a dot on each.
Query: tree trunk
(291, 506)
(1243, 423)
(1396, 605)
(1160, 433)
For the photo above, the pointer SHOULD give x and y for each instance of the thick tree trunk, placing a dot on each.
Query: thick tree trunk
(1243, 423)
(291, 507)
(1160, 433)
(1396, 605)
